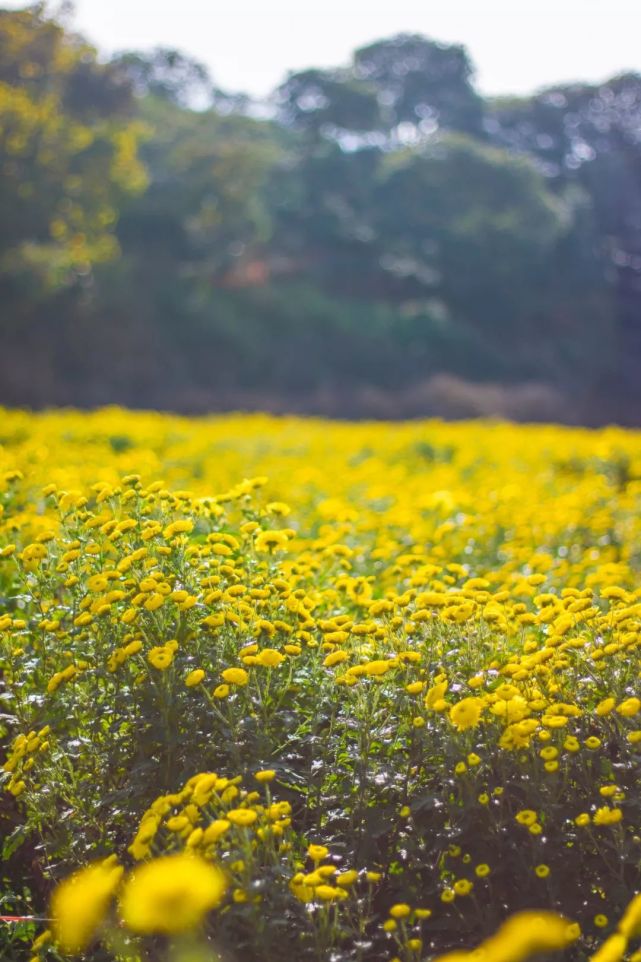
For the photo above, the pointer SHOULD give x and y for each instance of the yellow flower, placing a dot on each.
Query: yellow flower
(194, 677)
(606, 706)
(525, 934)
(327, 893)
(335, 658)
(269, 658)
(160, 657)
(171, 894)
(378, 667)
(242, 816)
(435, 696)
(266, 775)
(154, 601)
(268, 541)
(235, 676)
(80, 903)
(607, 816)
(612, 949)
(466, 713)
(400, 911)
(607, 791)
(463, 886)
(526, 817)
(573, 931)
(279, 508)
(215, 830)
(317, 852)
(630, 924)
(629, 707)
(182, 526)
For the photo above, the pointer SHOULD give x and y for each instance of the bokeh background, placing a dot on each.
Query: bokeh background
(379, 236)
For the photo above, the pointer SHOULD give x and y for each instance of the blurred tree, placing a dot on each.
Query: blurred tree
(205, 209)
(472, 222)
(421, 83)
(68, 155)
(590, 135)
(328, 103)
(167, 74)
(387, 225)
(324, 218)
(478, 229)
(394, 91)
(459, 230)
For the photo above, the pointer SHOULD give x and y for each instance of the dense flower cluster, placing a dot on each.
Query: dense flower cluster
(395, 670)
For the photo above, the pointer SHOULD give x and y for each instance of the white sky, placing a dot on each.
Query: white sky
(249, 45)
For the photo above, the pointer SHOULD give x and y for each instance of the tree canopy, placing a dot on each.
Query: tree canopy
(165, 243)
(68, 143)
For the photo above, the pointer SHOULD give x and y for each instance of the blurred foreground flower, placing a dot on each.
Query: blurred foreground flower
(171, 894)
(523, 935)
(80, 904)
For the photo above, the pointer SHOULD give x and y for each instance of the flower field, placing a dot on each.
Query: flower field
(275, 688)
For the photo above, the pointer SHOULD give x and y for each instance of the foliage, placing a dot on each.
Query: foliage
(166, 74)
(390, 690)
(164, 243)
(206, 201)
(67, 150)
(589, 135)
(394, 88)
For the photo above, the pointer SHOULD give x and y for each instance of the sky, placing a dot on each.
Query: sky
(517, 46)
